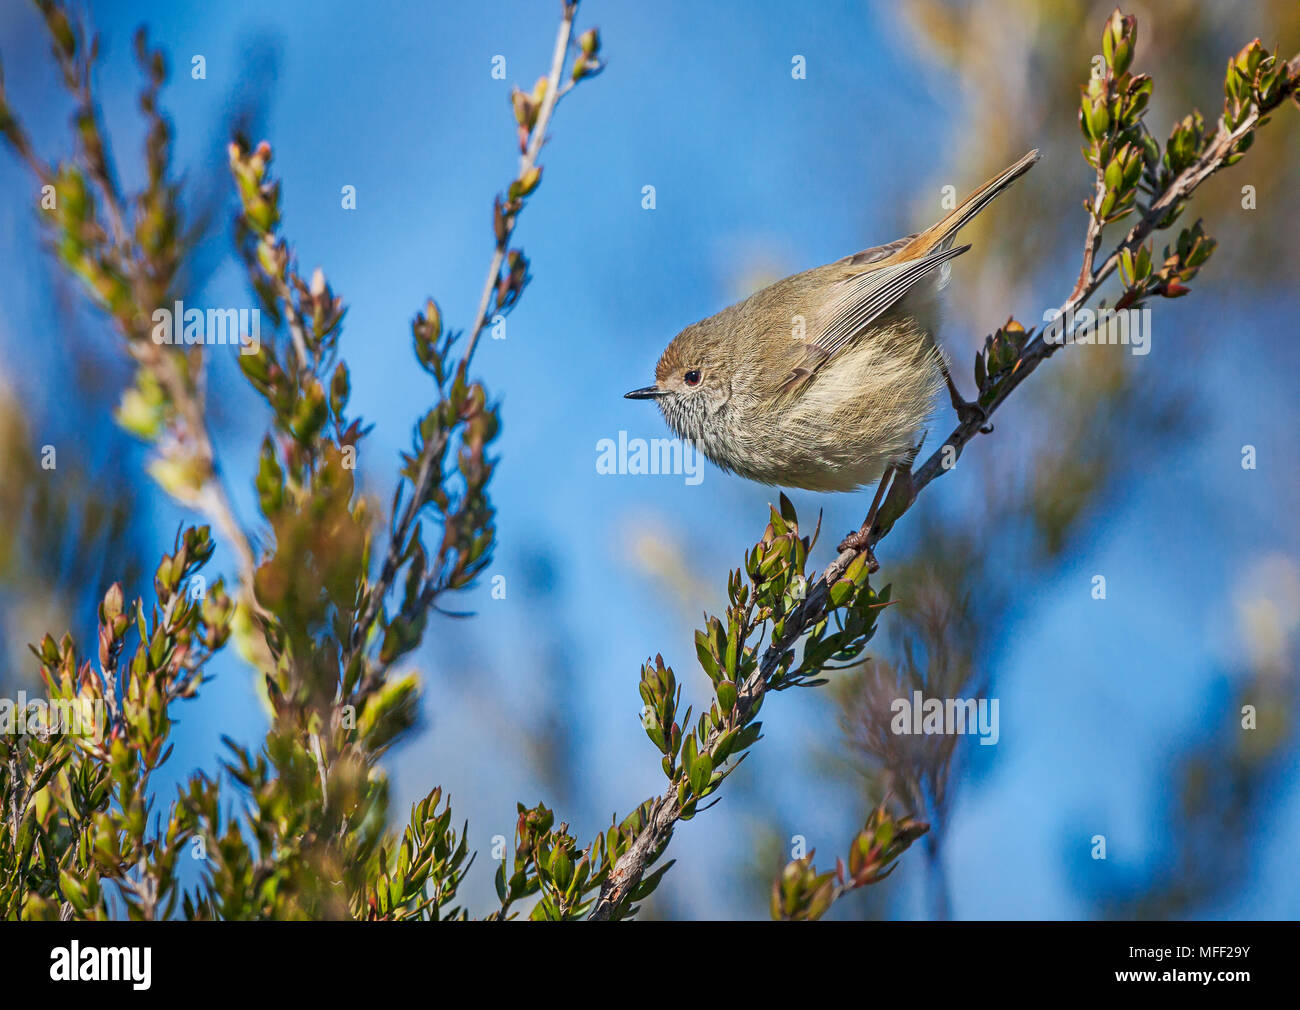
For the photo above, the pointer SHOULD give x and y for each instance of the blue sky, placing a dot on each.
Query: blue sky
(755, 174)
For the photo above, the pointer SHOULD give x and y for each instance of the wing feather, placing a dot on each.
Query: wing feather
(864, 298)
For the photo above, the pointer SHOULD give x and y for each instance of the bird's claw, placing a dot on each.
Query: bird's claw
(969, 412)
(859, 541)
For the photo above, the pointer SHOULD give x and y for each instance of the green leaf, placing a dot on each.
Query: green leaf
(707, 661)
(788, 513)
(701, 773)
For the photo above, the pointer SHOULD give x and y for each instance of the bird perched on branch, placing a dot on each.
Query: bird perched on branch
(823, 380)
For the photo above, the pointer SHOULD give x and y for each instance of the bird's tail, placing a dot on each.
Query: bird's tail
(940, 236)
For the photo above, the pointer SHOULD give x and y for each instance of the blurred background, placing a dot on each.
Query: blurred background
(1120, 717)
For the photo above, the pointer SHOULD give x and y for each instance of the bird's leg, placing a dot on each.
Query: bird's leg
(860, 540)
(967, 411)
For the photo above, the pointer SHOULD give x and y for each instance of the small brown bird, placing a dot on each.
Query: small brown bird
(823, 380)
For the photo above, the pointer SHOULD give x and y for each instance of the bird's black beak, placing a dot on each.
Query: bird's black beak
(645, 393)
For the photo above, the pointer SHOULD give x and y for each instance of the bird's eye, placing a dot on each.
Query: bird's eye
(692, 377)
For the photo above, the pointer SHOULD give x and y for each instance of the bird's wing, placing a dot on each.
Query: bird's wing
(862, 297)
(879, 252)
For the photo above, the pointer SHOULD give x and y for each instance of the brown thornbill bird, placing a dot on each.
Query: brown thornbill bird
(823, 380)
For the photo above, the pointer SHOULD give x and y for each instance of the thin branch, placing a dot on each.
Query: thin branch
(76, 56)
(432, 450)
(213, 500)
(526, 163)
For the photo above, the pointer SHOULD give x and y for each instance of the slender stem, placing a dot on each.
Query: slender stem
(526, 162)
(214, 500)
(433, 449)
(189, 401)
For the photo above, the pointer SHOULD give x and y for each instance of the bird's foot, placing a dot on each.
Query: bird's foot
(859, 541)
(968, 411)
(972, 413)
